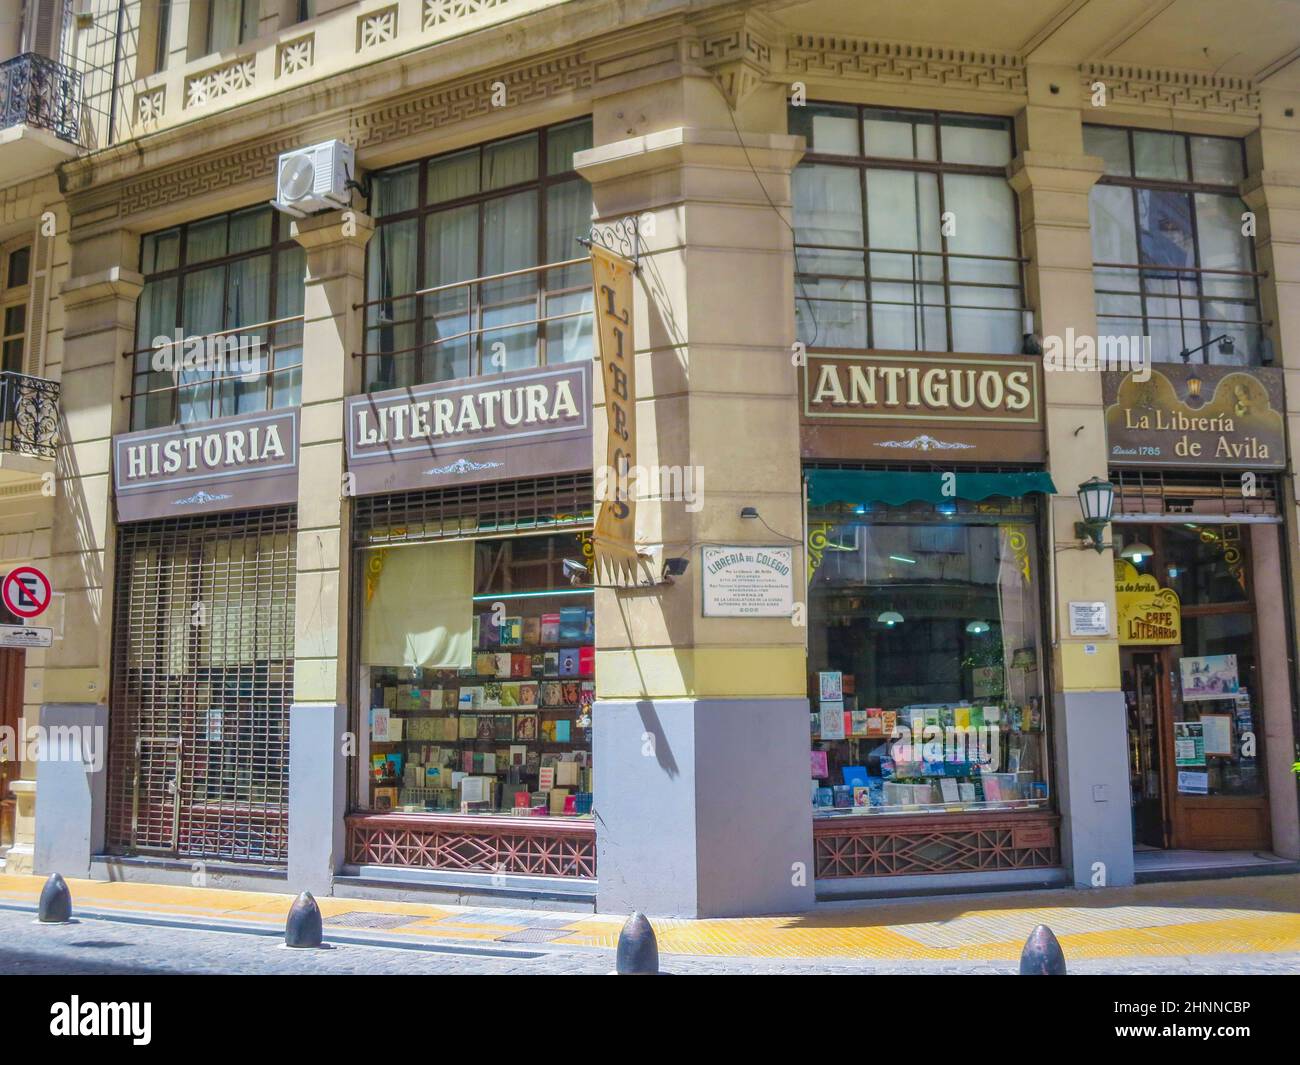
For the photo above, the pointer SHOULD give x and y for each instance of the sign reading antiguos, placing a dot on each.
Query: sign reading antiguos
(1196, 415)
(1148, 614)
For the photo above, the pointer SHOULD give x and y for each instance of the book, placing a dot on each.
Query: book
(573, 623)
(521, 665)
(566, 774)
(550, 628)
(488, 631)
(510, 695)
(486, 729)
(861, 795)
(528, 693)
(504, 664)
(532, 631)
(491, 696)
(450, 698)
(569, 691)
(485, 664)
(512, 632)
(548, 730)
(552, 693)
(586, 661)
(562, 734)
(379, 722)
(539, 663)
(526, 727)
(546, 778)
(569, 662)
(551, 664)
(468, 729)
(819, 768)
(503, 727)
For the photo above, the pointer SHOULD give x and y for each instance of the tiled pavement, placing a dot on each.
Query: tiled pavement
(1239, 925)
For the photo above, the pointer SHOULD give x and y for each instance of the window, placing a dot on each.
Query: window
(1170, 261)
(925, 652)
(905, 231)
(231, 23)
(163, 30)
(506, 207)
(219, 321)
(14, 280)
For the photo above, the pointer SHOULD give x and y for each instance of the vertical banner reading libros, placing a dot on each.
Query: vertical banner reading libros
(614, 538)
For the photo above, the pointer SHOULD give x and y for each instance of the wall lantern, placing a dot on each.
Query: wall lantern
(1096, 498)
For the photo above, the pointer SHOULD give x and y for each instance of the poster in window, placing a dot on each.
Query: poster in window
(1208, 677)
(1189, 743)
(1193, 783)
(1217, 731)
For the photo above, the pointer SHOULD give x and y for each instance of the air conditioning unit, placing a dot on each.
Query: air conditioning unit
(315, 179)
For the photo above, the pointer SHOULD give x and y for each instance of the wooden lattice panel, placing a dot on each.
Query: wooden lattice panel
(527, 846)
(905, 847)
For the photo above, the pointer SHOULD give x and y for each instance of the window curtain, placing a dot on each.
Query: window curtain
(985, 224)
(451, 254)
(205, 292)
(906, 290)
(828, 210)
(391, 326)
(419, 606)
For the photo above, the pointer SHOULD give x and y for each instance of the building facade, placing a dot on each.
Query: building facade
(656, 480)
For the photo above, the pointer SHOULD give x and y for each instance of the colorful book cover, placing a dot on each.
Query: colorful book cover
(552, 693)
(586, 694)
(532, 631)
(521, 665)
(569, 662)
(510, 695)
(488, 631)
(485, 664)
(526, 727)
(875, 722)
(503, 665)
(573, 623)
(825, 798)
(378, 766)
(562, 727)
(551, 664)
(475, 634)
(546, 778)
(467, 761)
(503, 727)
(843, 796)
(569, 692)
(486, 730)
(819, 769)
(861, 795)
(468, 729)
(961, 716)
(855, 776)
(518, 754)
(512, 632)
(548, 730)
(491, 696)
(528, 693)
(888, 722)
(379, 724)
(539, 664)
(586, 661)
(450, 698)
(550, 628)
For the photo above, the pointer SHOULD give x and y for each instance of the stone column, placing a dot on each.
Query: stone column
(332, 331)
(701, 731)
(1272, 192)
(1052, 177)
(98, 304)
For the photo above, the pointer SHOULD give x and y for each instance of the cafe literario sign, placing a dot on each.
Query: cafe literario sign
(893, 406)
(1149, 615)
(236, 463)
(497, 427)
(1215, 416)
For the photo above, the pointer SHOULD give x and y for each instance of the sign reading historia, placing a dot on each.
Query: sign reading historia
(236, 463)
(615, 533)
(1148, 614)
(1216, 416)
(893, 406)
(497, 427)
(748, 582)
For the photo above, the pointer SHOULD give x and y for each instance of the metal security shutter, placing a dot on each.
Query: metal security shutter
(479, 510)
(202, 684)
(1192, 493)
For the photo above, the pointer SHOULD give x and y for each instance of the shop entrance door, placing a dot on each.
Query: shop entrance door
(11, 708)
(1146, 697)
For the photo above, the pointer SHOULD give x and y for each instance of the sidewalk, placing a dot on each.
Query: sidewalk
(1246, 916)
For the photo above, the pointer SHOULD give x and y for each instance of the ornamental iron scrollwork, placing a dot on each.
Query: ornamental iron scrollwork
(29, 410)
(622, 237)
(40, 92)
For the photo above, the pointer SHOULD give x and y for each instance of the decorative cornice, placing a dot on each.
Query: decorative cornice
(738, 52)
(909, 65)
(1181, 90)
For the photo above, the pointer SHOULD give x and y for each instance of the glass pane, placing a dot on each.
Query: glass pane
(563, 141)
(225, 25)
(390, 274)
(250, 230)
(828, 130)
(287, 386)
(453, 177)
(395, 191)
(1160, 155)
(160, 251)
(451, 254)
(1111, 145)
(934, 632)
(1223, 246)
(984, 224)
(20, 261)
(568, 339)
(156, 312)
(290, 278)
(971, 139)
(898, 134)
(831, 313)
(510, 162)
(205, 301)
(1216, 161)
(828, 210)
(1165, 233)
(1110, 211)
(205, 240)
(568, 217)
(13, 356)
(248, 295)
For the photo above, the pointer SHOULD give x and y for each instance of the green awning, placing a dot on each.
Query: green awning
(896, 488)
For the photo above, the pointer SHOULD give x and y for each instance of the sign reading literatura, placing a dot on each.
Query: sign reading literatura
(1217, 416)
(235, 463)
(894, 406)
(525, 423)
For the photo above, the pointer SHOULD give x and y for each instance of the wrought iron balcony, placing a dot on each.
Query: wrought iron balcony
(29, 415)
(42, 93)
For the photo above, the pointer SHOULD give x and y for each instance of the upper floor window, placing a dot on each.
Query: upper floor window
(231, 23)
(905, 231)
(15, 276)
(461, 274)
(1170, 259)
(219, 321)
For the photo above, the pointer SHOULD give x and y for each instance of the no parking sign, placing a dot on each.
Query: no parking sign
(26, 591)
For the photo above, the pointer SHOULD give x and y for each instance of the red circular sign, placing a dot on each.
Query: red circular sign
(26, 591)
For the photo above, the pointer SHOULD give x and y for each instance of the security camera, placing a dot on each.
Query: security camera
(675, 567)
(575, 571)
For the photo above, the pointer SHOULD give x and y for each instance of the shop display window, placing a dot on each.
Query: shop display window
(507, 733)
(925, 652)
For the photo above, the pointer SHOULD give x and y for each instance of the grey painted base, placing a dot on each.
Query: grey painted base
(317, 795)
(702, 807)
(1093, 788)
(71, 787)
(859, 888)
(182, 872)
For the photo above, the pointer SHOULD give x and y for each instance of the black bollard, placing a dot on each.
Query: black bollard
(56, 901)
(303, 927)
(638, 951)
(1042, 955)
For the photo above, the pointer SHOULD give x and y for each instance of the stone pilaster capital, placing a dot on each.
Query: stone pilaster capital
(113, 283)
(689, 145)
(347, 228)
(1033, 171)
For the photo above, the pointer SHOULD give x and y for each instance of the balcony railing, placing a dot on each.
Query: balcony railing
(535, 316)
(29, 415)
(40, 92)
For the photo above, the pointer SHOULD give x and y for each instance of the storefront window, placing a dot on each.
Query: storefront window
(877, 265)
(926, 659)
(205, 343)
(508, 732)
(1170, 260)
(507, 207)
